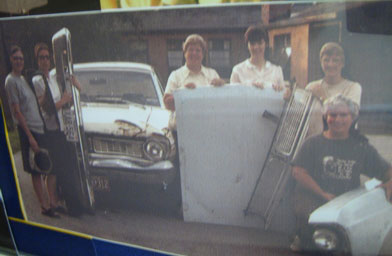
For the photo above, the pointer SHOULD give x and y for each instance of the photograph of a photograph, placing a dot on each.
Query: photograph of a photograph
(227, 129)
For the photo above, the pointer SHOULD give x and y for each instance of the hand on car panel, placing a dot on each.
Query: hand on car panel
(168, 100)
(277, 87)
(387, 186)
(76, 83)
(328, 196)
(217, 82)
(319, 92)
(190, 86)
(259, 85)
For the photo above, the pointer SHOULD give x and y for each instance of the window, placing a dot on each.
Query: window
(219, 56)
(174, 54)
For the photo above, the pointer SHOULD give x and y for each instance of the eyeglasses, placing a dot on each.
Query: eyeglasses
(17, 58)
(43, 57)
(335, 115)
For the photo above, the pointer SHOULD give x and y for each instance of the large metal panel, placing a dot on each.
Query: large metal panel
(224, 136)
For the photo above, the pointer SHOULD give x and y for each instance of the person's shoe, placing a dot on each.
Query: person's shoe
(59, 209)
(49, 212)
(296, 245)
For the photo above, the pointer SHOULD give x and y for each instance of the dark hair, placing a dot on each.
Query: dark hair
(256, 33)
(39, 47)
(14, 49)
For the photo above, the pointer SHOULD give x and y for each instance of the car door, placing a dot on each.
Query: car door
(72, 118)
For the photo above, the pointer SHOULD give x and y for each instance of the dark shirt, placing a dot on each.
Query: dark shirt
(336, 165)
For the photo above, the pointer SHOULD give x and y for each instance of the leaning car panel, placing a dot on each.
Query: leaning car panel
(364, 217)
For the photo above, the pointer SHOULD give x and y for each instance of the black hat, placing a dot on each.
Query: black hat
(41, 161)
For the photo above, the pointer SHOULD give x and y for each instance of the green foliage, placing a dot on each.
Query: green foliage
(14, 140)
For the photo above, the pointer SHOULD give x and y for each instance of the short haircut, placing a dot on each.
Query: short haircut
(195, 39)
(332, 48)
(256, 33)
(14, 49)
(339, 99)
(39, 47)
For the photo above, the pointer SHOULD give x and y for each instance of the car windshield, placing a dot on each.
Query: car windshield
(117, 87)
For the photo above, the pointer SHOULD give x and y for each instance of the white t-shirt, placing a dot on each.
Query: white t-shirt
(347, 88)
(182, 76)
(39, 86)
(246, 73)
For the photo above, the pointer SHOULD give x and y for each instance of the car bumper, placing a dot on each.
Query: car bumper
(161, 172)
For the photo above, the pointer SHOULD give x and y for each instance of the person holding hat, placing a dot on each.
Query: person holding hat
(330, 164)
(25, 111)
(51, 102)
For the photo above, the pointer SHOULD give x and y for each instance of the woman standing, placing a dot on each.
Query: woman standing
(193, 74)
(61, 152)
(257, 70)
(332, 61)
(25, 111)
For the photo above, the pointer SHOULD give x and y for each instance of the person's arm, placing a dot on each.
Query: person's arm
(22, 123)
(76, 83)
(279, 84)
(39, 89)
(65, 98)
(216, 80)
(302, 177)
(387, 185)
(317, 90)
(168, 100)
(355, 92)
(234, 78)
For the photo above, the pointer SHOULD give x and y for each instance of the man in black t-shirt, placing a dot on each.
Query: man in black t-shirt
(330, 164)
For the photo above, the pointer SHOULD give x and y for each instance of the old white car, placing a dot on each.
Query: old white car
(125, 124)
(117, 124)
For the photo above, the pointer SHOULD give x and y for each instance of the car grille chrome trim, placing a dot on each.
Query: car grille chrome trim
(113, 146)
(293, 119)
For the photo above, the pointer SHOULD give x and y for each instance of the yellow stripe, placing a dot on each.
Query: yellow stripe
(65, 231)
(13, 164)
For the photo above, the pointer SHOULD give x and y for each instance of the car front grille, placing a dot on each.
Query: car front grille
(292, 122)
(113, 146)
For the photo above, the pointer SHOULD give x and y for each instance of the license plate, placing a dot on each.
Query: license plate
(100, 183)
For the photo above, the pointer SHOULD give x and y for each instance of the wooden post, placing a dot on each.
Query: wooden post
(265, 13)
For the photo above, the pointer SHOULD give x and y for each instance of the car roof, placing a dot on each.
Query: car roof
(140, 67)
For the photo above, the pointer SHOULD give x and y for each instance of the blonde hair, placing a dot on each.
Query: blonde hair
(332, 48)
(195, 39)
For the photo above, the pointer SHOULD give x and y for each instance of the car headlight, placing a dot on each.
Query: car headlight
(155, 150)
(325, 239)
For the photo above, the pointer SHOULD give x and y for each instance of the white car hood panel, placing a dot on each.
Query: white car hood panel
(366, 217)
(124, 119)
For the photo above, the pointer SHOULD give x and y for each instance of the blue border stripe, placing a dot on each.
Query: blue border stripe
(108, 248)
(40, 241)
(7, 178)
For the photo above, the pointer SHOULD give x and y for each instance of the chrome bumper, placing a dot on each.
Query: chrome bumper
(125, 168)
(121, 162)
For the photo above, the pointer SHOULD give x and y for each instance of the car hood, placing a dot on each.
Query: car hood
(352, 208)
(124, 119)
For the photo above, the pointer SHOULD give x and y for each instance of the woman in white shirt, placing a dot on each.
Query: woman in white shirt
(257, 70)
